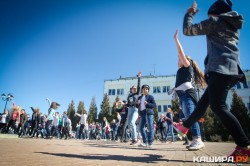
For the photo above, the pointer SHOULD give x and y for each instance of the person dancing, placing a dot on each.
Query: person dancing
(187, 74)
(222, 68)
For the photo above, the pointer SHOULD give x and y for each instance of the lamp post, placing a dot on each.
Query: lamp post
(7, 98)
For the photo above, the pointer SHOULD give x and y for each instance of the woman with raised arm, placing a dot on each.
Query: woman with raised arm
(132, 104)
(50, 118)
(187, 74)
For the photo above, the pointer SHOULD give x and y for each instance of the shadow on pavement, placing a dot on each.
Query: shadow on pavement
(149, 158)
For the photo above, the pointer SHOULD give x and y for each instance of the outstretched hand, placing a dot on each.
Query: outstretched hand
(193, 9)
(139, 74)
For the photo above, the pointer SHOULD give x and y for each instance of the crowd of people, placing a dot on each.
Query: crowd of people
(136, 115)
(34, 126)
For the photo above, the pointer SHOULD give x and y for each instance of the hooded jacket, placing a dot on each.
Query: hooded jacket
(222, 34)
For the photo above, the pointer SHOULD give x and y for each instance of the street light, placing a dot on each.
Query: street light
(7, 98)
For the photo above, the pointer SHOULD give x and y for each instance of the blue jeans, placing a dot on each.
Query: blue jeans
(187, 105)
(170, 129)
(148, 138)
(48, 129)
(104, 133)
(132, 117)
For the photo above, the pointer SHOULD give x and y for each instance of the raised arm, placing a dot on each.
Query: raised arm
(76, 114)
(190, 29)
(33, 110)
(181, 53)
(48, 101)
(139, 83)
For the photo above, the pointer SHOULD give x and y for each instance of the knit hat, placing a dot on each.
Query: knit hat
(220, 6)
(145, 86)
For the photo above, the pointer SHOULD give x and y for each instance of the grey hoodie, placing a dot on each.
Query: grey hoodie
(222, 34)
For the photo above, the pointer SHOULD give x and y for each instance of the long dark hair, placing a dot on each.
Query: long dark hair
(54, 105)
(199, 78)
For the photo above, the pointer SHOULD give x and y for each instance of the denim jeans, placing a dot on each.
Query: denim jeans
(132, 117)
(171, 130)
(48, 129)
(187, 105)
(123, 128)
(80, 136)
(148, 137)
(216, 95)
(104, 133)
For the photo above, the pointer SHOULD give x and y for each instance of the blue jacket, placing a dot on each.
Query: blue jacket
(149, 106)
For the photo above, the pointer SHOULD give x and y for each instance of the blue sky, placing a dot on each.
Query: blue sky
(64, 49)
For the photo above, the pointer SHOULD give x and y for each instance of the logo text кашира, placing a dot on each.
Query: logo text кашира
(220, 159)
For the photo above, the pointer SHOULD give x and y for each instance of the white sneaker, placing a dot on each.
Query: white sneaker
(143, 145)
(196, 144)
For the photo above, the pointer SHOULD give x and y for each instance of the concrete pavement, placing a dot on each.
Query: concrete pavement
(27, 151)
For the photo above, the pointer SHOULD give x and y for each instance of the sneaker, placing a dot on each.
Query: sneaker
(135, 142)
(180, 129)
(196, 144)
(143, 145)
(239, 151)
(185, 143)
(150, 146)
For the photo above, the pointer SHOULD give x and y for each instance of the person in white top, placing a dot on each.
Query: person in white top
(83, 122)
(3, 120)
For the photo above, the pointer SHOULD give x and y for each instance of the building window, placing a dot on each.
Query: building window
(245, 85)
(159, 108)
(111, 92)
(168, 88)
(156, 89)
(120, 91)
(164, 89)
(165, 107)
(238, 85)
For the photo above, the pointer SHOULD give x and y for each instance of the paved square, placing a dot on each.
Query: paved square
(27, 151)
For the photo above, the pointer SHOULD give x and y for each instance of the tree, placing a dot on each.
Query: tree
(175, 105)
(214, 127)
(92, 111)
(71, 114)
(105, 109)
(239, 110)
(155, 114)
(81, 108)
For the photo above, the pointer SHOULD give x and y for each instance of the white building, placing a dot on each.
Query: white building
(159, 86)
